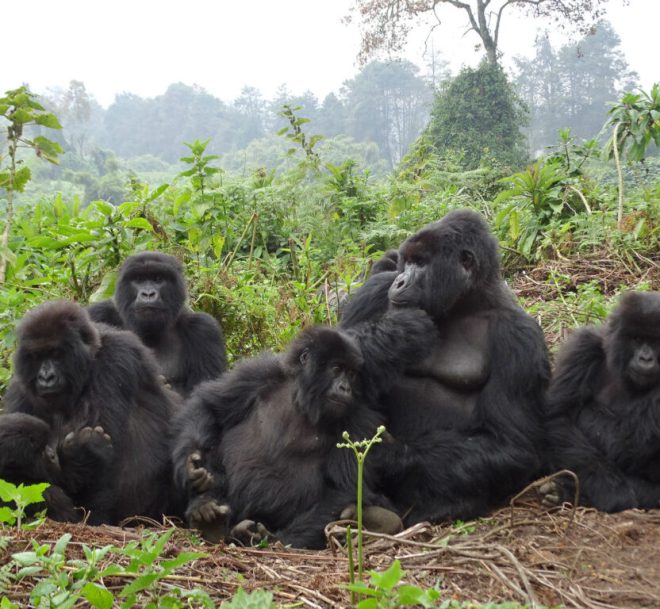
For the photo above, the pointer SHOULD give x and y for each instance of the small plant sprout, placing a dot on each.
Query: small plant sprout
(360, 449)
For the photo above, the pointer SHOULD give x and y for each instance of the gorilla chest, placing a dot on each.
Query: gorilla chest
(274, 462)
(168, 354)
(444, 386)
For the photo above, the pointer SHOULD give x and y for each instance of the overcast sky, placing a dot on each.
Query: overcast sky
(142, 46)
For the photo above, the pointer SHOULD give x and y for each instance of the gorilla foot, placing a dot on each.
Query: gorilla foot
(90, 439)
(376, 519)
(249, 532)
(200, 478)
(551, 494)
(210, 518)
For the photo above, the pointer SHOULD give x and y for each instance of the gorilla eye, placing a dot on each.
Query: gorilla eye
(467, 259)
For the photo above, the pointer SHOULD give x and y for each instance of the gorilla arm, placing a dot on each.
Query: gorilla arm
(105, 312)
(205, 342)
(216, 406)
(370, 302)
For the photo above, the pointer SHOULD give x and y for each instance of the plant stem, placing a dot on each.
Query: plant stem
(4, 243)
(619, 171)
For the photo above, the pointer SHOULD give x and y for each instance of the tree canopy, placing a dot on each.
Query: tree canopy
(386, 23)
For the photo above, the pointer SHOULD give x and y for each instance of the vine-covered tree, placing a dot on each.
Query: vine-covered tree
(478, 115)
(385, 24)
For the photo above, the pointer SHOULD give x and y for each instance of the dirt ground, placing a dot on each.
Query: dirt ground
(566, 557)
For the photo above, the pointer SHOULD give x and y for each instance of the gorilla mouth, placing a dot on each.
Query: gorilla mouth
(49, 390)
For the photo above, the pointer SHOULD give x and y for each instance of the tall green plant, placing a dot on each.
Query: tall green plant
(635, 123)
(20, 109)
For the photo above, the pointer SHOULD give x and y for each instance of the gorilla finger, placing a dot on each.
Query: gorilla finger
(349, 512)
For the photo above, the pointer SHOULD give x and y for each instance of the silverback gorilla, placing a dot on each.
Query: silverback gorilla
(465, 416)
(604, 409)
(108, 413)
(150, 301)
(257, 449)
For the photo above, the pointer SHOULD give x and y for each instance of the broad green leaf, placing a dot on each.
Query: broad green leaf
(7, 515)
(47, 120)
(33, 493)
(8, 491)
(21, 178)
(62, 543)
(139, 223)
(139, 584)
(98, 597)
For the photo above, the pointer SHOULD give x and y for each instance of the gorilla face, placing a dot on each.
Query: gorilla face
(632, 340)
(327, 365)
(150, 292)
(441, 265)
(56, 346)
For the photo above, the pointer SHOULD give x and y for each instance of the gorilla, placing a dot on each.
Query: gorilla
(603, 409)
(465, 415)
(257, 448)
(99, 392)
(27, 456)
(150, 301)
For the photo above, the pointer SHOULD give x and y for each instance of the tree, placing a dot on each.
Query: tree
(479, 115)
(386, 23)
(387, 103)
(573, 87)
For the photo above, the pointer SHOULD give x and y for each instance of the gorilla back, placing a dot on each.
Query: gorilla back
(99, 391)
(465, 416)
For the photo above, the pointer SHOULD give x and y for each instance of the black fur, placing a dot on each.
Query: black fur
(604, 408)
(189, 346)
(465, 415)
(28, 457)
(268, 432)
(76, 377)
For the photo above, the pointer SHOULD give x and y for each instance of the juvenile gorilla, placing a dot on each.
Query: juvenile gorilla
(27, 456)
(465, 415)
(150, 301)
(258, 447)
(99, 393)
(604, 409)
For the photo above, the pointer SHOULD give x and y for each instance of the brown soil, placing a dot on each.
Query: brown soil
(573, 558)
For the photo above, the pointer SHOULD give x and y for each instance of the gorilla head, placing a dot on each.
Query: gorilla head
(446, 263)
(26, 455)
(632, 340)
(150, 292)
(56, 347)
(325, 364)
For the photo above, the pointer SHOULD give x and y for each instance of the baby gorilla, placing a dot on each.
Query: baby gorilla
(28, 457)
(258, 447)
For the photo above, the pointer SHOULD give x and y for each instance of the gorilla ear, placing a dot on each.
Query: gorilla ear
(304, 356)
(91, 337)
(468, 260)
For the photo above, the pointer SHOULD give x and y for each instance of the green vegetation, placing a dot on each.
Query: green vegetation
(271, 248)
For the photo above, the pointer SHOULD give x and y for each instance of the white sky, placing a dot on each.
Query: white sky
(142, 46)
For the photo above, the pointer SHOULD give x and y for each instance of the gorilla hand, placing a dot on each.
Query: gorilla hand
(199, 477)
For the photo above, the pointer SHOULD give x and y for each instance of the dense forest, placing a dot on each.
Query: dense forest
(278, 209)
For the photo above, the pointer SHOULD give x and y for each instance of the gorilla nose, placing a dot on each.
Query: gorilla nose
(344, 387)
(148, 295)
(47, 377)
